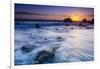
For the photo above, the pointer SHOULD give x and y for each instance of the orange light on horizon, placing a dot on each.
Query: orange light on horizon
(76, 18)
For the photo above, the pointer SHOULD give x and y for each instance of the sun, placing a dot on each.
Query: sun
(75, 18)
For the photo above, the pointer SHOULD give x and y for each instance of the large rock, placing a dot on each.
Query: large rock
(43, 56)
(28, 48)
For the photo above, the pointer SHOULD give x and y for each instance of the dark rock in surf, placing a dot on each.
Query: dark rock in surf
(46, 39)
(28, 48)
(43, 56)
(71, 28)
(55, 48)
(56, 29)
(60, 39)
(37, 26)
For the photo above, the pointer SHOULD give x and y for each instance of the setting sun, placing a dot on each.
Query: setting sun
(76, 18)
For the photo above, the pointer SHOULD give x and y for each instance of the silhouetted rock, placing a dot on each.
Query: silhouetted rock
(92, 22)
(67, 20)
(84, 21)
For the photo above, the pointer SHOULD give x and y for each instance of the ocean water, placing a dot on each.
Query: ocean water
(52, 43)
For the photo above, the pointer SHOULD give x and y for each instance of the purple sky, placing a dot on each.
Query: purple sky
(30, 11)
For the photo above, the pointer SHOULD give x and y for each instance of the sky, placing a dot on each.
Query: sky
(31, 11)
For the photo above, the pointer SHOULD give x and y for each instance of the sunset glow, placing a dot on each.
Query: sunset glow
(52, 12)
(76, 18)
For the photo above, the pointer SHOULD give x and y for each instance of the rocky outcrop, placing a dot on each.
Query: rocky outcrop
(43, 56)
(28, 48)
